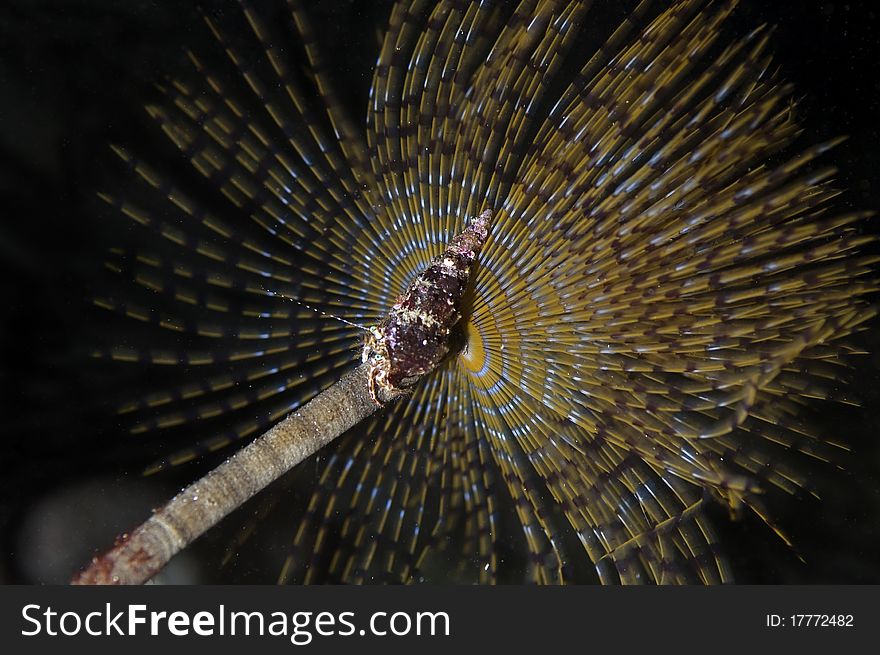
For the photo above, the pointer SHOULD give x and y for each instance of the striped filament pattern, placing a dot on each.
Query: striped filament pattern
(664, 287)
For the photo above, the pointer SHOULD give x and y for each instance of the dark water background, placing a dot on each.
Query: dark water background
(73, 76)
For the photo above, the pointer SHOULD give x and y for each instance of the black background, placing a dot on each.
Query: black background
(73, 76)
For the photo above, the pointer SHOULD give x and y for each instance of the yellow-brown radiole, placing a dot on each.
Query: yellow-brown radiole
(412, 341)
(664, 291)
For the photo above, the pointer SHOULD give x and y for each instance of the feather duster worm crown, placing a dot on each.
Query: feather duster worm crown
(660, 292)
